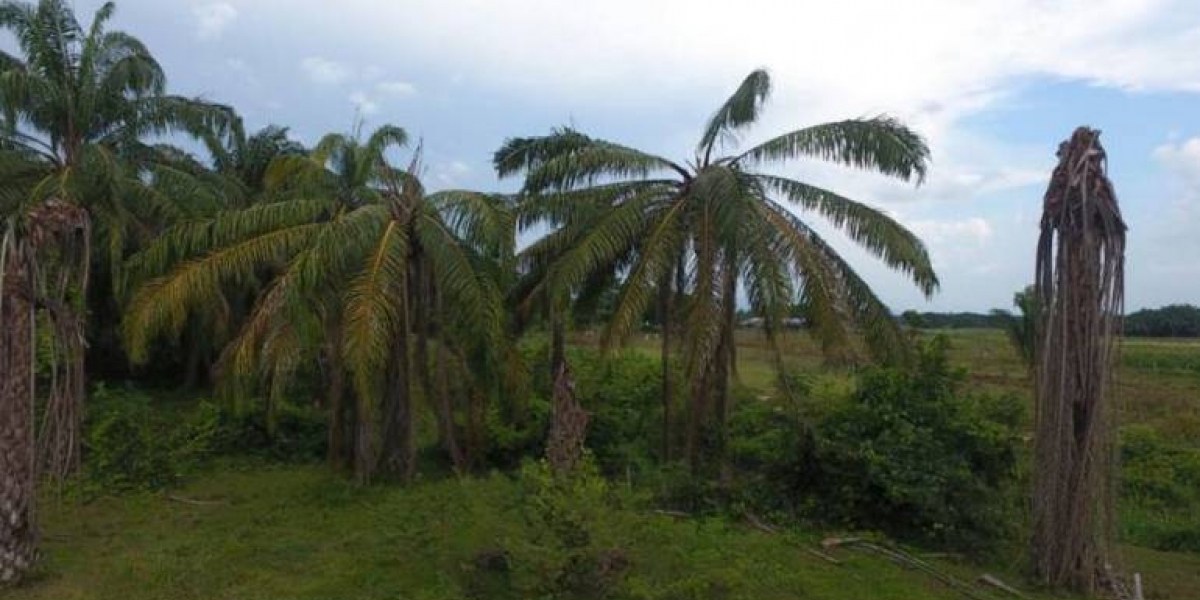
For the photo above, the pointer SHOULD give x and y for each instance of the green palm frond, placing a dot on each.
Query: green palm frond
(161, 306)
(898, 247)
(879, 144)
(740, 110)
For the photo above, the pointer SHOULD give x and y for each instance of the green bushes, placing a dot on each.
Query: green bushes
(133, 441)
(622, 393)
(558, 553)
(1160, 491)
(913, 455)
(130, 444)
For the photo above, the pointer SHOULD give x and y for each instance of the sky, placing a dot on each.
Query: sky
(993, 85)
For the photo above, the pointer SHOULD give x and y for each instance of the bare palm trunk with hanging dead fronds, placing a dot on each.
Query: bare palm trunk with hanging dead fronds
(18, 534)
(1080, 289)
(60, 237)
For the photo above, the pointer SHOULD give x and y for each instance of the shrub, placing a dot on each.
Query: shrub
(912, 455)
(1160, 491)
(561, 553)
(621, 392)
(298, 434)
(129, 443)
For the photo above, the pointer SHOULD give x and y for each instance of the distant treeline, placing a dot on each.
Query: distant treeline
(1176, 320)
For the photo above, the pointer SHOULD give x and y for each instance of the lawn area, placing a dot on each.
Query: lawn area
(300, 533)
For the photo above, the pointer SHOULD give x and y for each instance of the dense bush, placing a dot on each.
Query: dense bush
(912, 454)
(558, 554)
(622, 393)
(295, 434)
(129, 443)
(133, 440)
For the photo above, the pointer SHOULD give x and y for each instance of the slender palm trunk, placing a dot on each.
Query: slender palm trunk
(437, 397)
(18, 532)
(558, 335)
(664, 311)
(723, 370)
(399, 427)
(335, 395)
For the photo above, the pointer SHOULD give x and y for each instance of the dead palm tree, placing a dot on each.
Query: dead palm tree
(1079, 289)
(698, 230)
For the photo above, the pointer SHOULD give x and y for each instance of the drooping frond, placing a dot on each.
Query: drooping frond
(656, 254)
(372, 313)
(592, 163)
(835, 294)
(880, 144)
(161, 306)
(522, 155)
(193, 238)
(740, 110)
(872, 229)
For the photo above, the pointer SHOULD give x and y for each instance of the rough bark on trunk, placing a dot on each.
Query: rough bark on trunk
(18, 532)
(568, 426)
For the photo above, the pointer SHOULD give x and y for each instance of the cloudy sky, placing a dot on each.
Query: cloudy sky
(994, 85)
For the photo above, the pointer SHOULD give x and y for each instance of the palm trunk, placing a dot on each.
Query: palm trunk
(18, 532)
(664, 311)
(399, 427)
(558, 354)
(64, 234)
(335, 396)
(437, 398)
(723, 369)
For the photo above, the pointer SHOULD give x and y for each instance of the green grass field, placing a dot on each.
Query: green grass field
(252, 530)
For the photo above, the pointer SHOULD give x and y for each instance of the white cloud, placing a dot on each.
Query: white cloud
(397, 88)
(324, 71)
(452, 173)
(212, 19)
(364, 103)
(1182, 159)
(972, 230)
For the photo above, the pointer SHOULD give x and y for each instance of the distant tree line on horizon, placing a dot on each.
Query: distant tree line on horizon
(1173, 320)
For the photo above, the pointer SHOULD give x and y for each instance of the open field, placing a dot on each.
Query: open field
(1158, 382)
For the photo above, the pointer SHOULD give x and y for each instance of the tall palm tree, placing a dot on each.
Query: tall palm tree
(696, 230)
(365, 269)
(77, 104)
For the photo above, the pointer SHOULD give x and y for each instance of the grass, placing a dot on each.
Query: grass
(250, 531)
(300, 533)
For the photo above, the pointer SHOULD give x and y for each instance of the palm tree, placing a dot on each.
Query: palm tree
(365, 270)
(76, 104)
(1021, 329)
(688, 234)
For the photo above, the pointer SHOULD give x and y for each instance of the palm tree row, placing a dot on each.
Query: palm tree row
(267, 262)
